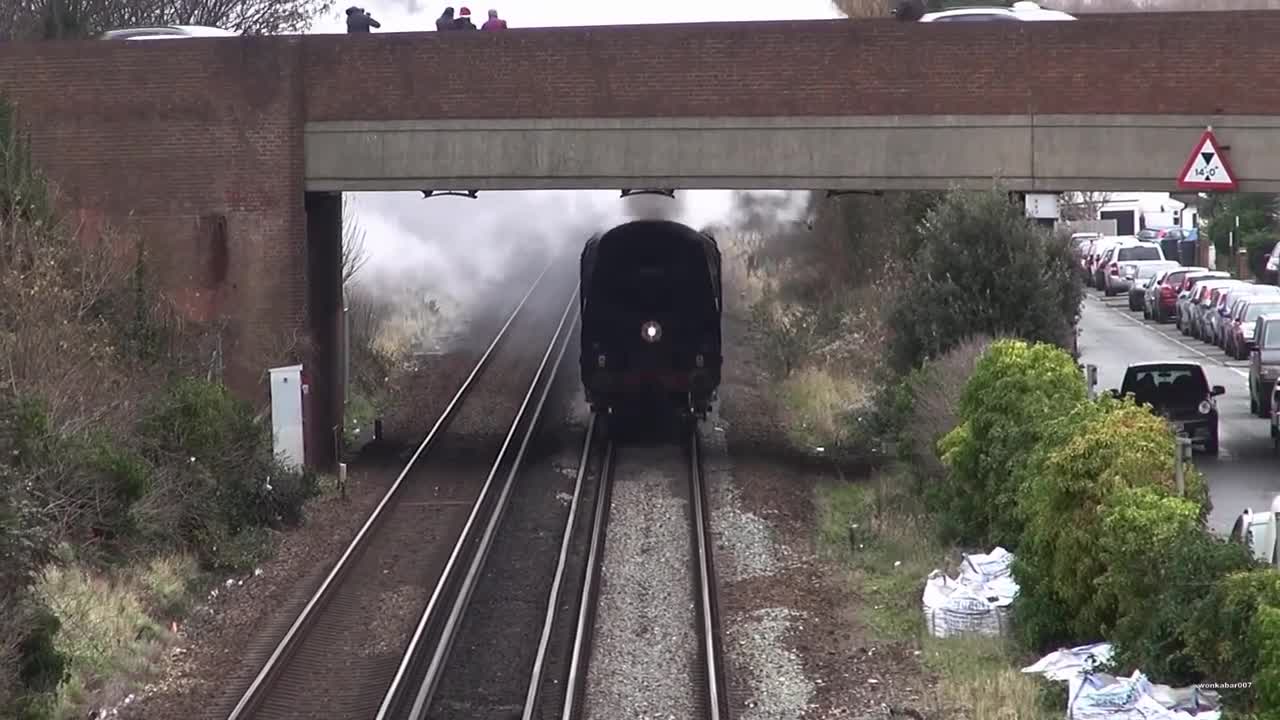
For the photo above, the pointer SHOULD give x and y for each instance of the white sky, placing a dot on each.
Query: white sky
(416, 15)
(453, 242)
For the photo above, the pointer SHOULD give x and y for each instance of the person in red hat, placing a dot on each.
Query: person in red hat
(494, 22)
(463, 21)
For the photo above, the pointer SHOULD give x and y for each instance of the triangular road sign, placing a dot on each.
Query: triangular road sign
(1207, 168)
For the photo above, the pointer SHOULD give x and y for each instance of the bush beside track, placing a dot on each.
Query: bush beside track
(997, 443)
(131, 477)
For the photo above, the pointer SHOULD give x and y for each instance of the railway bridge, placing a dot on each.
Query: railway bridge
(229, 155)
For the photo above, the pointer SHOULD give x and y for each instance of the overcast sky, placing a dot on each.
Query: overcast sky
(453, 240)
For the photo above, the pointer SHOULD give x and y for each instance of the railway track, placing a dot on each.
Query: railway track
(559, 688)
(361, 635)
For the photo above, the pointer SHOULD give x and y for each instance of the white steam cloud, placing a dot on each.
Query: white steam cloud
(458, 248)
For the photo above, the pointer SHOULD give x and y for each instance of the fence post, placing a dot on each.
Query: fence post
(1181, 458)
(1091, 379)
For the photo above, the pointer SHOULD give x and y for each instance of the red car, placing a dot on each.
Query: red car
(1166, 305)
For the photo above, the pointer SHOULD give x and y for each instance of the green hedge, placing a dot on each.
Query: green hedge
(1105, 547)
(1007, 405)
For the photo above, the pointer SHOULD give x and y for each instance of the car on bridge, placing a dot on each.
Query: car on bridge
(1024, 11)
(166, 32)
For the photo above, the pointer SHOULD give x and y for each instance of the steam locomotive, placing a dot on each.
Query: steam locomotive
(651, 303)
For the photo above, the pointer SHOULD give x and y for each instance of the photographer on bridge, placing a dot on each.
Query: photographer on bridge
(359, 20)
(909, 10)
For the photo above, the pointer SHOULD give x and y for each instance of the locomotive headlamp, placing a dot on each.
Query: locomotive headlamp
(651, 332)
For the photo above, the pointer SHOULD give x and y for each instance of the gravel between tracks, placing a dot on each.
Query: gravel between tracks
(645, 643)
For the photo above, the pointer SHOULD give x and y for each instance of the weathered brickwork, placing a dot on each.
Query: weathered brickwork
(154, 136)
(169, 137)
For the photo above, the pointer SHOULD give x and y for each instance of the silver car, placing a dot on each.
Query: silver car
(1220, 318)
(1203, 308)
(1186, 296)
(1128, 261)
(166, 32)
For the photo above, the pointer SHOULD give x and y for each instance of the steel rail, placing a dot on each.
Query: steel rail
(716, 699)
(288, 642)
(574, 687)
(534, 696)
(435, 670)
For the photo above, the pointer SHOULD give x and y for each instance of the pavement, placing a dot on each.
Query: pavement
(1246, 472)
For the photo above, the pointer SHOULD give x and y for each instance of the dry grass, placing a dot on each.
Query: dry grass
(936, 398)
(816, 407)
(980, 681)
(107, 635)
(878, 531)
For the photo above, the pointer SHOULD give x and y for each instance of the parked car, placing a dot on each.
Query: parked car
(1144, 275)
(1166, 237)
(1228, 302)
(1240, 340)
(1151, 293)
(1189, 310)
(1264, 363)
(166, 32)
(1097, 249)
(1125, 262)
(1081, 244)
(1200, 296)
(1275, 418)
(1271, 271)
(1211, 319)
(1189, 282)
(1162, 298)
(1180, 393)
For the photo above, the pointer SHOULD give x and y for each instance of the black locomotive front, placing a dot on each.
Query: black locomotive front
(651, 304)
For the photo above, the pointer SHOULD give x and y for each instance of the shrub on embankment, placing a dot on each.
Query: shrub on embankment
(979, 266)
(1005, 408)
(1008, 450)
(114, 462)
(1105, 547)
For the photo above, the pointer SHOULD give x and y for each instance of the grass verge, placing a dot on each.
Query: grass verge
(114, 632)
(815, 405)
(877, 530)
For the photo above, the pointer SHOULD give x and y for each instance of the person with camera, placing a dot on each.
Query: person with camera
(360, 21)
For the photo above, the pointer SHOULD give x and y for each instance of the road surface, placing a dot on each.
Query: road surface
(1245, 473)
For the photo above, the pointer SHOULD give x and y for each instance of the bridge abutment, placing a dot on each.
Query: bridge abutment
(326, 328)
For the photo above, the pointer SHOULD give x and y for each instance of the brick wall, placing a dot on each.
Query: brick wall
(1152, 63)
(155, 138)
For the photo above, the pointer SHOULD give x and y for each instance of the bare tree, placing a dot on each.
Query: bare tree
(865, 8)
(354, 251)
(56, 19)
(1074, 206)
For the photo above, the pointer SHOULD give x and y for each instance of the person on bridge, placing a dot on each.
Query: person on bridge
(359, 20)
(909, 10)
(463, 21)
(445, 21)
(494, 22)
